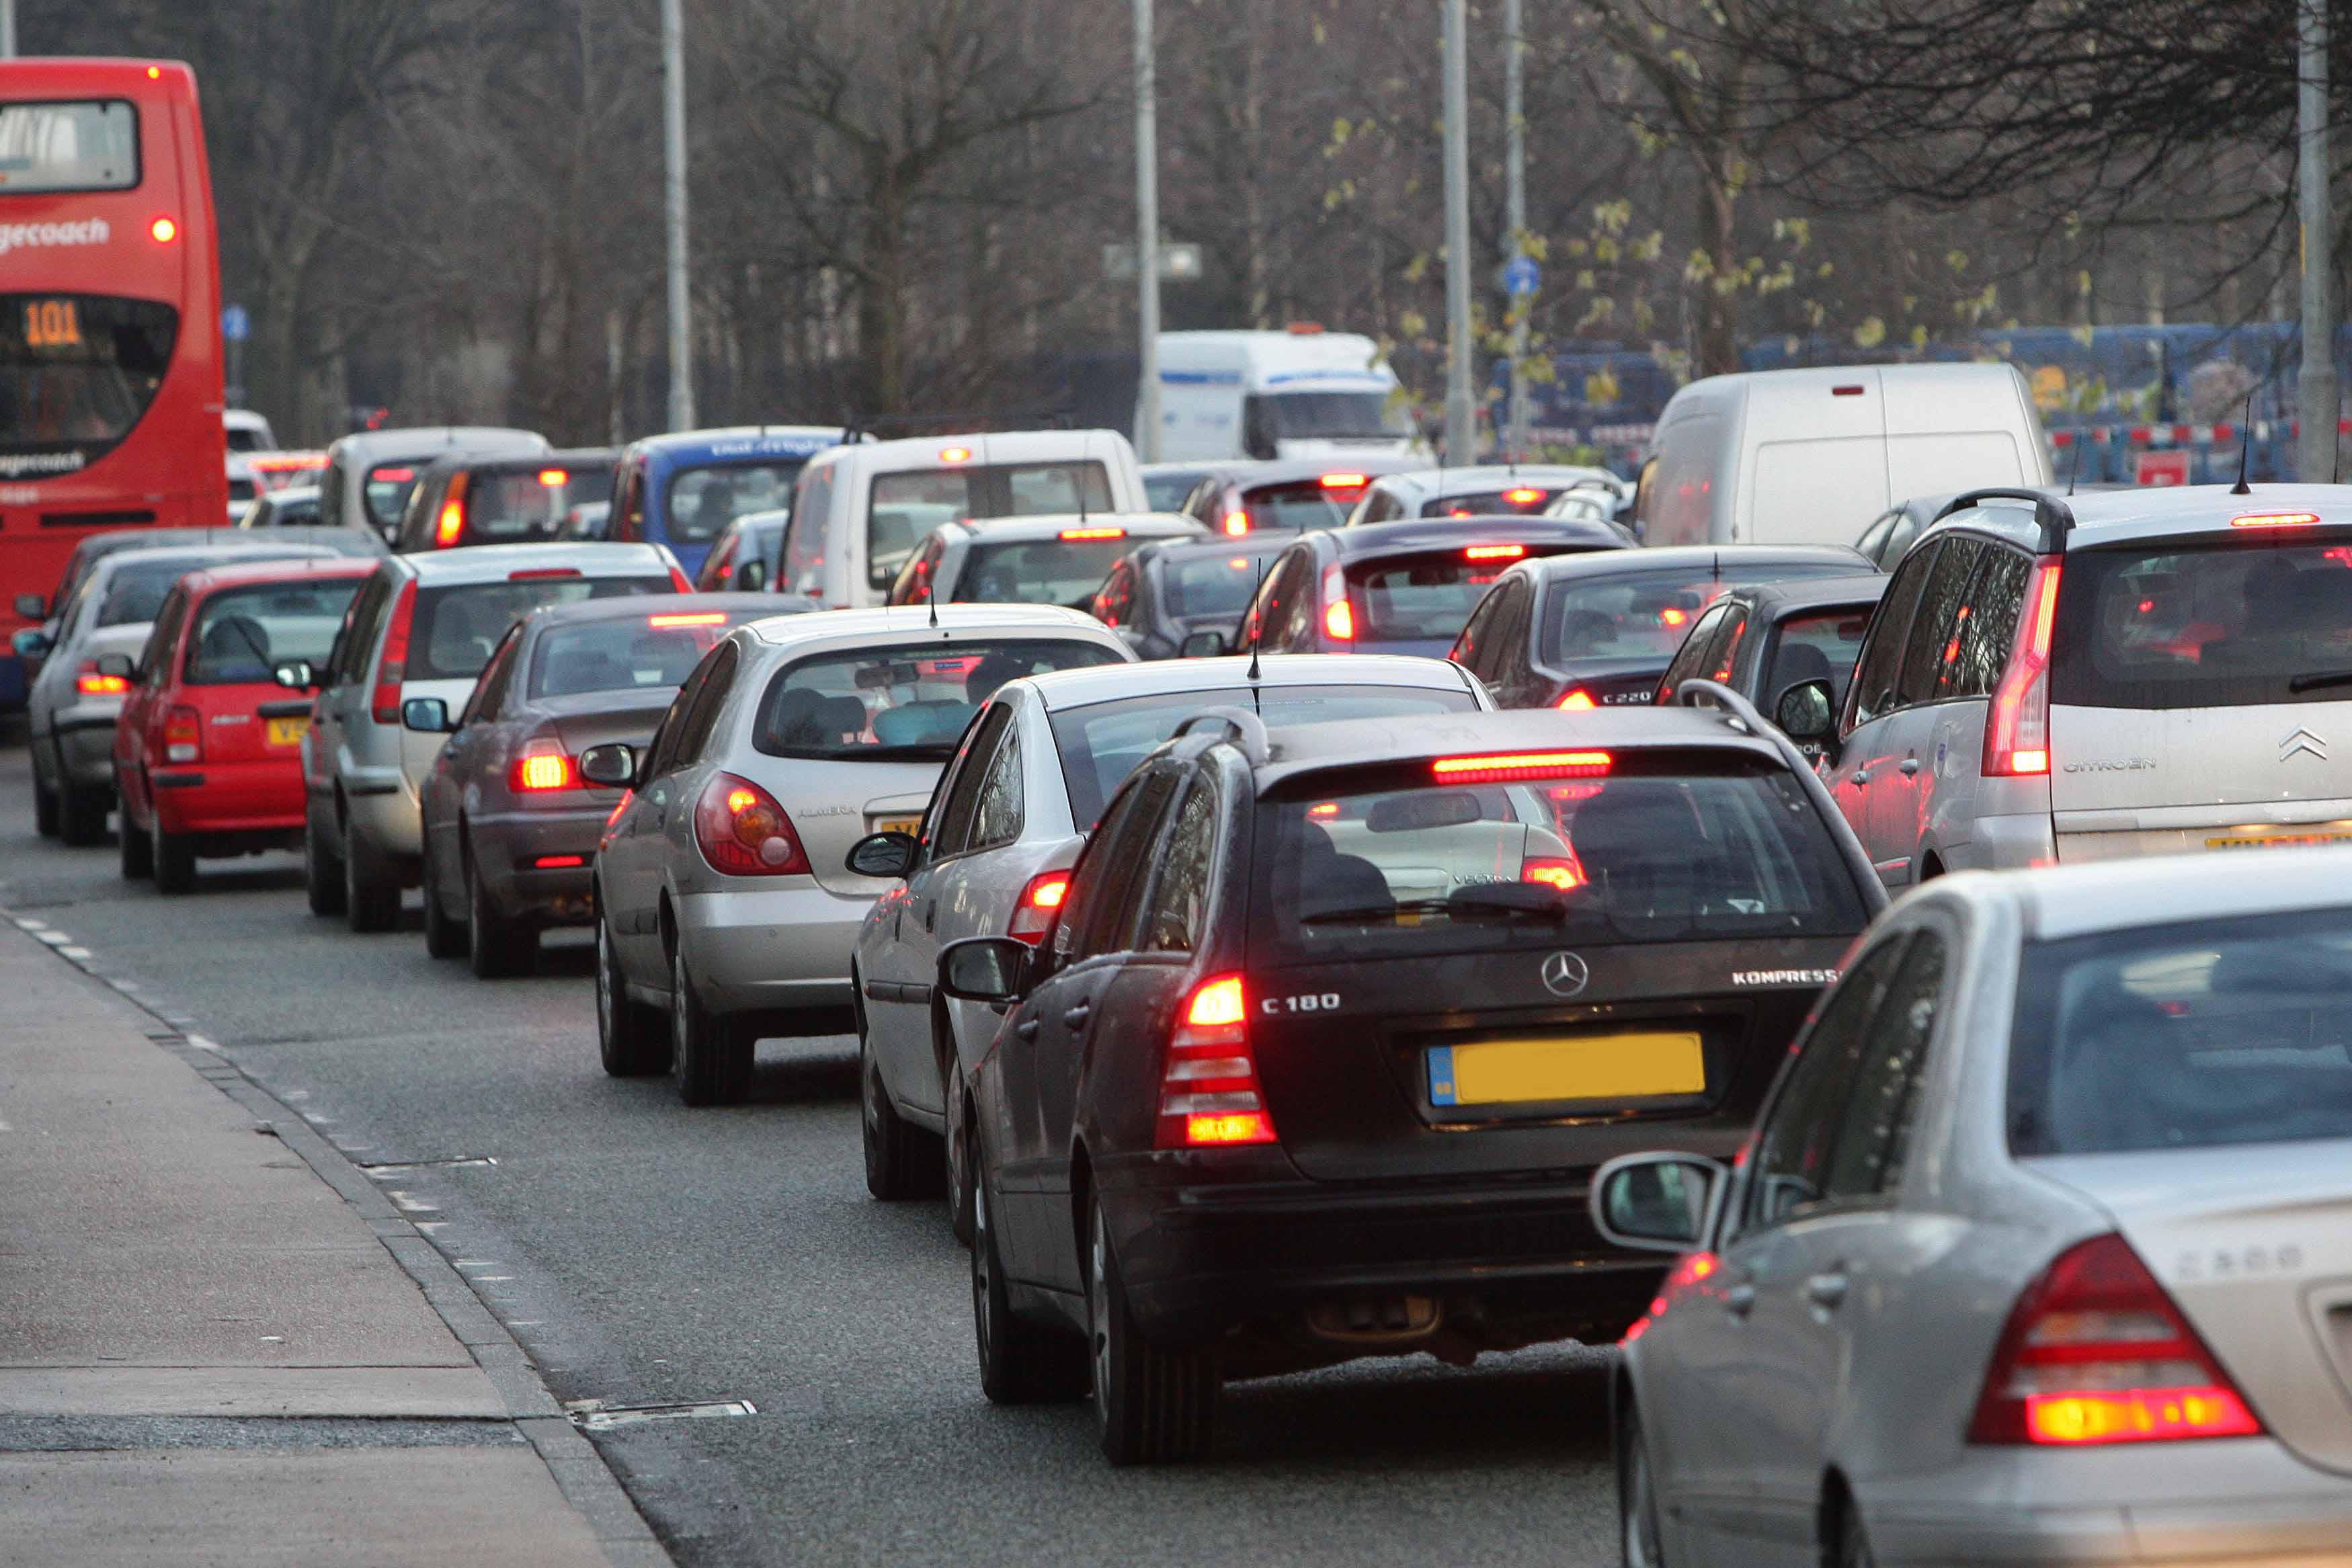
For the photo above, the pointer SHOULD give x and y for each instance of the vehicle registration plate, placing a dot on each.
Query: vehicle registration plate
(897, 824)
(1573, 1067)
(2317, 836)
(287, 731)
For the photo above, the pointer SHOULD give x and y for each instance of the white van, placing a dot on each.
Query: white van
(1813, 456)
(859, 511)
(1305, 393)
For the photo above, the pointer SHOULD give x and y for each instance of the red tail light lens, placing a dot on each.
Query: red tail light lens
(554, 479)
(536, 573)
(1339, 615)
(1210, 1096)
(2276, 520)
(1513, 767)
(1343, 481)
(2017, 734)
(1033, 916)
(542, 766)
(88, 683)
(184, 735)
(2096, 1352)
(392, 664)
(452, 525)
(1495, 552)
(1237, 523)
(1552, 871)
(698, 618)
(677, 579)
(743, 831)
(1525, 496)
(1578, 701)
(1093, 533)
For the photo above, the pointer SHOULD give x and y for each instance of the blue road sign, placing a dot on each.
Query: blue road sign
(1521, 276)
(236, 324)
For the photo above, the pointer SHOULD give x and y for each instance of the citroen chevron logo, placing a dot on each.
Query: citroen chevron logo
(2303, 740)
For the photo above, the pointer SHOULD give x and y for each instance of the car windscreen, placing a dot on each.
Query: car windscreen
(514, 504)
(1299, 504)
(704, 500)
(1102, 743)
(649, 653)
(457, 624)
(2199, 1035)
(1037, 572)
(1334, 415)
(243, 635)
(77, 371)
(386, 490)
(903, 510)
(1213, 586)
(901, 702)
(1166, 491)
(2266, 619)
(1425, 597)
(1645, 613)
(1641, 847)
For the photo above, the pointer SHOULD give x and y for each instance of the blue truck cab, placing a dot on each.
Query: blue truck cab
(683, 490)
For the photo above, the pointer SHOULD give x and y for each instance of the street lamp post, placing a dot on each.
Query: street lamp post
(681, 322)
(1147, 236)
(1461, 414)
(1515, 178)
(7, 29)
(2316, 390)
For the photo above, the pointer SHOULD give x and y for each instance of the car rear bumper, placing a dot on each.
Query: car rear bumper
(770, 948)
(86, 746)
(1518, 1257)
(508, 847)
(2239, 1502)
(260, 797)
(386, 820)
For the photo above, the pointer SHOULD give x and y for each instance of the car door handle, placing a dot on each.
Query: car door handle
(930, 912)
(1026, 1029)
(1739, 1301)
(1859, 775)
(1826, 1291)
(1079, 1015)
(1910, 766)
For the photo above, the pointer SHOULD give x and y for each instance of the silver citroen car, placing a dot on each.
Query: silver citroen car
(2041, 1251)
(724, 894)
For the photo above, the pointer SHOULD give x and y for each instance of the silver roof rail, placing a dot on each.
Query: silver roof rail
(2054, 516)
(1740, 714)
(1248, 730)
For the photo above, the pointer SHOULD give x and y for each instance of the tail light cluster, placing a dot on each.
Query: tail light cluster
(2017, 735)
(2096, 1352)
(1040, 902)
(183, 735)
(743, 831)
(1210, 1096)
(1339, 615)
(1578, 701)
(450, 526)
(543, 766)
(392, 664)
(1561, 872)
(88, 683)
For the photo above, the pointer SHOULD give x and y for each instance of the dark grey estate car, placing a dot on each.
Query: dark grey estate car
(509, 825)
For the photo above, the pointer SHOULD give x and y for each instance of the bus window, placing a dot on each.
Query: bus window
(50, 148)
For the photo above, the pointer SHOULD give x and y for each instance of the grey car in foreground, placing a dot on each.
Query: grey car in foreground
(2041, 1251)
(510, 826)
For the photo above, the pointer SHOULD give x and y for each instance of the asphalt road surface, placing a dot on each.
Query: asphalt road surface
(646, 1254)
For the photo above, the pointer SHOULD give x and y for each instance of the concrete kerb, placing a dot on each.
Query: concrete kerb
(581, 1473)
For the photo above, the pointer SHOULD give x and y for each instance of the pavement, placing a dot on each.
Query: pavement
(222, 1342)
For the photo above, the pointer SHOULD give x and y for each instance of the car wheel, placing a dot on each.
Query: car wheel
(1853, 1541)
(443, 937)
(895, 1166)
(1021, 1362)
(630, 1037)
(501, 945)
(138, 852)
(81, 814)
(371, 896)
(1637, 1498)
(1153, 1403)
(175, 857)
(323, 872)
(44, 807)
(710, 1063)
(962, 1164)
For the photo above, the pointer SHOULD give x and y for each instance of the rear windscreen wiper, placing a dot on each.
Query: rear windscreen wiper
(2318, 680)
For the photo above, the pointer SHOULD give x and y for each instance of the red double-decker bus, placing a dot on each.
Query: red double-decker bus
(109, 318)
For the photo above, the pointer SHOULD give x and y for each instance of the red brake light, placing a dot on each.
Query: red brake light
(1523, 495)
(164, 230)
(184, 735)
(537, 573)
(1552, 871)
(1237, 523)
(391, 476)
(392, 664)
(1339, 615)
(2095, 1352)
(1093, 533)
(955, 454)
(1210, 1096)
(697, 618)
(543, 766)
(1343, 481)
(680, 582)
(743, 831)
(1578, 701)
(558, 862)
(2276, 520)
(1495, 552)
(1040, 902)
(1670, 616)
(1513, 767)
(554, 479)
(452, 525)
(1846, 391)
(90, 683)
(2017, 734)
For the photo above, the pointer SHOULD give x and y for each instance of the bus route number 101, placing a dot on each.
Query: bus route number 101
(52, 324)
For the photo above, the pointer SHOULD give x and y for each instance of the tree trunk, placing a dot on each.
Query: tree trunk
(1716, 352)
(882, 301)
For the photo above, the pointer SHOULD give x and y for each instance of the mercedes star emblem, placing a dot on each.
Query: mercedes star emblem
(1564, 974)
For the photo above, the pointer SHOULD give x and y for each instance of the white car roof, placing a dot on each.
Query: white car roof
(244, 419)
(2120, 516)
(898, 622)
(490, 563)
(195, 555)
(2059, 902)
(422, 442)
(995, 446)
(1064, 689)
(1045, 526)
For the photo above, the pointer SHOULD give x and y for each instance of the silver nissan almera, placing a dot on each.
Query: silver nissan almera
(2041, 1251)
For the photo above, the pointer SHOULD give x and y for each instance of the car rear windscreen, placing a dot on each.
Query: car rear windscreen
(1631, 848)
(652, 652)
(1102, 743)
(387, 488)
(457, 625)
(91, 144)
(1037, 572)
(1816, 647)
(903, 510)
(1489, 503)
(2199, 1035)
(135, 591)
(1642, 614)
(1213, 587)
(910, 701)
(243, 635)
(1299, 503)
(1426, 597)
(703, 501)
(506, 506)
(2267, 619)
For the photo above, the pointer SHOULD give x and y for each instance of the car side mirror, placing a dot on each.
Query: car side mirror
(121, 667)
(425, 716)
(880, 578)
(1804, 712)
(1202, 646)
(32, 643)
(611, 766)
(32, 607)
(296, 675)
(750, 576)
(984, 968)
(883, 855)
(1656, 1203)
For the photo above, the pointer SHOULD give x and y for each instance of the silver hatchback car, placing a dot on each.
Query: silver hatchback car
(993, 856)
(2041, 1251)
(724, 895)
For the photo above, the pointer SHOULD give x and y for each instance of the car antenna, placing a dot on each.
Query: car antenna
(2245, 444)
(1719, 566)
(1264, 561)
(2075, 470)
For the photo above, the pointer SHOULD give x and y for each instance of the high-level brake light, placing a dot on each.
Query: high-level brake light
(1511, 767)
(1523, 495)
(1343, 481)
(1495, 552)
(1093, 533)
(1034, 914)
(554, 479)
(2017, 734)
(1210, 1096)
(534, 573)
(695, 618)
(2276, 520)
(955, 454)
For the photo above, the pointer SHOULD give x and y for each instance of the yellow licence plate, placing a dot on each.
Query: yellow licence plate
(2315, 837)
(1573, 1067)
(287, 731)
(897, 824)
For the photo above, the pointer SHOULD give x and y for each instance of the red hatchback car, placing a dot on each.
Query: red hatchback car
(208, 750)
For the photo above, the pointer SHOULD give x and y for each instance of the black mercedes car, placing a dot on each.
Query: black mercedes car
(1338, 1021)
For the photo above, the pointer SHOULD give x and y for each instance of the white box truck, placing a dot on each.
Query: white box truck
(1303, 393)
(1814, 457)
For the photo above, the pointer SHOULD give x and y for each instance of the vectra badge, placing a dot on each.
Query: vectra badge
(2303, 740)
(1564, 974)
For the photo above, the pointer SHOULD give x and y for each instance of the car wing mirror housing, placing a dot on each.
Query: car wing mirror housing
(121, 667)
(985, 969)
(1657, 1202)
(1203, 644)
(296, 675)
(611, 766)
(32, 643)
(883, 855)
(425, 716)
(1805, 712)
(32, 607)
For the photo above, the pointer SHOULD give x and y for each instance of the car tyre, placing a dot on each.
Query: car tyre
(1021, 1362)
(710, 1059)
(501, 947)
(81, 814)
(138, 852)
(963, 1166)
(443, 937)
(173, 856)
(322, 873)
(370, 894)
(1853, 1541)
(631, 1038)
(1154, 1403)
(45, 808)
(896, 1166)
(1641, 1542)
